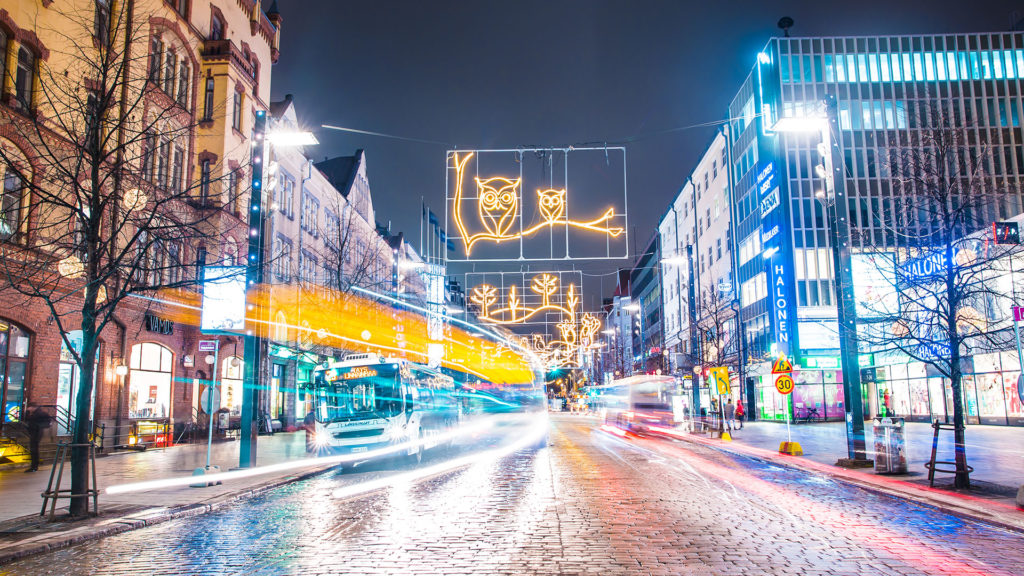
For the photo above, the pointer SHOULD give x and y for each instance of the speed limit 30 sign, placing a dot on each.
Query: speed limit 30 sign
(784, 383)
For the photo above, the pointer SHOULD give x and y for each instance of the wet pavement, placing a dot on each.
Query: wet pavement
(588, 503)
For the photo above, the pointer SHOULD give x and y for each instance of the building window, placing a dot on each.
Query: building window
(236, 111)
(183, 76)
(101, 22)
(23, 78)
(231, 194)
(178, 169)
(10, 204)
(3, 53)
(163, 163)
(154, 59)
(230, 252)
(208, 100)
(216, 28)
(204, 182)
(170, 64)
(148, 152)
(719, 249)
(180, 6)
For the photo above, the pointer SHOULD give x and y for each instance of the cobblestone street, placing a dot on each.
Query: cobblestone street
(589, 503)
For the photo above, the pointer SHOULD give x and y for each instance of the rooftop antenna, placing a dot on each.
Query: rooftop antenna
(785, 23)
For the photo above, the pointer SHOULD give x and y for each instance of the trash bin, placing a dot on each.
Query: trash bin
(890, 446)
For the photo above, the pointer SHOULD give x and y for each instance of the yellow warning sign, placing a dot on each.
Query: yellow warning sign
(784, 384)
(782, 365)
(720, 375)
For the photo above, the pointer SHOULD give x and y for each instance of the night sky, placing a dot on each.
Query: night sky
(551, 73)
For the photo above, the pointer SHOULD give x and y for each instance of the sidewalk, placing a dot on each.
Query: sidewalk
(995, 452)
(23, 532)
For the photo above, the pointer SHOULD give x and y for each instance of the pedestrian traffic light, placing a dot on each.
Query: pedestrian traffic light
(1006, 232)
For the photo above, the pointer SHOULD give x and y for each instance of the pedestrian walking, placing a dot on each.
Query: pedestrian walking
(739, 415)
(730, 415)
(37, 419)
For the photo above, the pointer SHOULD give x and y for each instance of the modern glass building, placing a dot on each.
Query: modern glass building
(886, 90)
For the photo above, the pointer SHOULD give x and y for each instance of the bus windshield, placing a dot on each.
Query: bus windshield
(375, 393)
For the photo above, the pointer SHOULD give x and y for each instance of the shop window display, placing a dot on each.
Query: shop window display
(990, 398)
(232, 369)
(919, 409)
(149, 388)
(14, 350)
(1014, 406)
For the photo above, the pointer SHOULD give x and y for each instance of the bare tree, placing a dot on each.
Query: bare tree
(938, 256)
(353, 254)
(107, 210)
(715, 330)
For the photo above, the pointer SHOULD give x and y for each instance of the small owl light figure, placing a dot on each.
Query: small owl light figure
(552, 204)
(498, 204)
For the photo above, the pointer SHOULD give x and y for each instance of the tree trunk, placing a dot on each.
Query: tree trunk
(963, 477)
(83, 420)
(953, 307)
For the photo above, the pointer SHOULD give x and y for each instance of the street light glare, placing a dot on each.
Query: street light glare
(800, 124)
(674, 261)
(292, 138)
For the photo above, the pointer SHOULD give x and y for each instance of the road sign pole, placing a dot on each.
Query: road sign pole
(211, 389)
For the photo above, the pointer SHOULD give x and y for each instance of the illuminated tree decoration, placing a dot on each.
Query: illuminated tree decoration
(499, 206)
(546, 285)
(564, 353)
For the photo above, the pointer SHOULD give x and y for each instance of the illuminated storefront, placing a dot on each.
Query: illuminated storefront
(990, 391)
(149, 392)
(15, 345)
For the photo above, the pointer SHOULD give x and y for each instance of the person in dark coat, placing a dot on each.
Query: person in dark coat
(36, 420)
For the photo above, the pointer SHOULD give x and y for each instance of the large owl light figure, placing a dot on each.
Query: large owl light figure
(498, 204)
(551, 203)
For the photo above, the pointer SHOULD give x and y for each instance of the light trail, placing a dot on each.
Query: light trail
(465, 430)
(537, 429)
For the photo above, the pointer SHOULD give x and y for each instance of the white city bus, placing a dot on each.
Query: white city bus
(366, 402)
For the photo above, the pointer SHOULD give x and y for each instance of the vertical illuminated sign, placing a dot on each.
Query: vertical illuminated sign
(777, 258)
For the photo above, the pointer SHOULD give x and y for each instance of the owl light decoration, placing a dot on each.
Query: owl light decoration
(552, 204)
(498, 208)
(498, 204)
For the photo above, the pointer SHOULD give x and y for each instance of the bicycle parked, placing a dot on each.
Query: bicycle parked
(809, 415)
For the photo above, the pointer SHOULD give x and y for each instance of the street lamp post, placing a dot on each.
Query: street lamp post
(253, 350)
(835, 200)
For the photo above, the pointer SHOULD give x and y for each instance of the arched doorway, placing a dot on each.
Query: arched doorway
(15, 347)
(149, 392)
